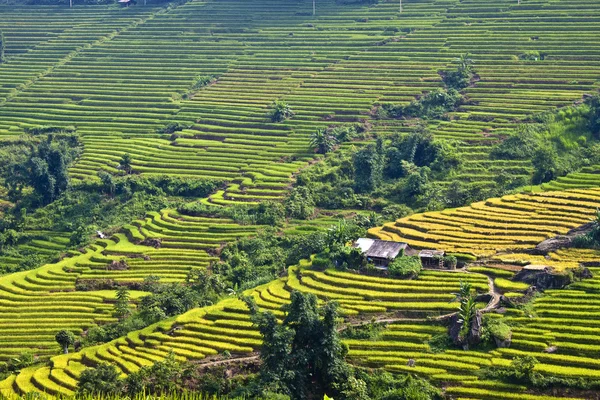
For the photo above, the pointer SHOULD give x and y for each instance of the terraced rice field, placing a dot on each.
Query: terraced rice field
(226, 326)
(130, 74)
(35, 304)
(512, 222)
(561, 318)
(119, 75)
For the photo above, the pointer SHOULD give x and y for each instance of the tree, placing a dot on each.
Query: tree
(368, 162)
(465, 62)
(300, 203)
(545, 161)
(594, 116)
(280, 111)
(122, 309)
(65, 339)
(322, 141)
(209, 285)
(108, 183)
(46, 171)
(2, 45)
(125, 163)
(304, 356)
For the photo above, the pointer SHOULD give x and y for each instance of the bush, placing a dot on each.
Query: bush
(531, 55)
(395, 211)
(434, 105)
(520, 371)
(172, 127)
(457, 80)
(519, 146)
(102, 380)
(320, 262)
(48, 129)
(405, 267)
(450, 262)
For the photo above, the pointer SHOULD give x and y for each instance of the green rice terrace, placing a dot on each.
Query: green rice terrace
(339, 199)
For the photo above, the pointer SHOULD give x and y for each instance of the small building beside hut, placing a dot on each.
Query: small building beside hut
(382, 252)
(432, 258)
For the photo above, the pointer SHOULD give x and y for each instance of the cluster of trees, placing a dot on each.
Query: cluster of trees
(432, 105)
(301, 358)
(436, 104)
(201, 288)
(154, 185)
(249, 262)
(393, 174)
(557, 143)
(266, 213)
(41, 164)
(324, 140)
(461, 77)
(593, 103)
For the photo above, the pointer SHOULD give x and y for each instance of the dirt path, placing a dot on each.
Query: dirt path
(228, 361)
(495, 300)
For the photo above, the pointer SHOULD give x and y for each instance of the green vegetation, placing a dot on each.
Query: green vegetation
(65, 339)
(280, 111)
(158, 161)
(405, 267)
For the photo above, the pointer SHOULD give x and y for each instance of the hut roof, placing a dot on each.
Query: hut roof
(385, 249)
(431, 253)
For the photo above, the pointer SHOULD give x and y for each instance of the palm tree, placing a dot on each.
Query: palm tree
(322, 141)
(465, 62)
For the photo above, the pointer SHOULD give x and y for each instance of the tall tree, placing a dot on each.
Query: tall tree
(304, 356)
(125, 163)
(593, 103)
(122, 309)
(65, 339)
(322, 141)
(465, 62)
(369, 162)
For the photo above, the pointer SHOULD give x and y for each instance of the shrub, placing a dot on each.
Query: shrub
(450, 262)
(102, 380)
(320, 262)
(434, 105)
(202, 81)
(405, 267)
(395, 211)
(531, 55)
(172, 127)
(49, 129)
